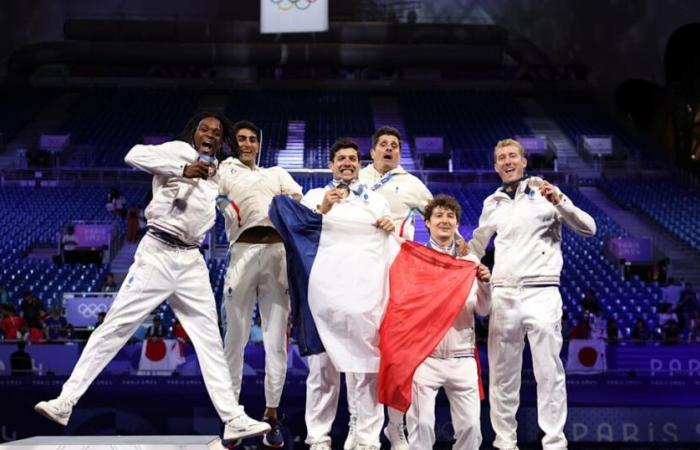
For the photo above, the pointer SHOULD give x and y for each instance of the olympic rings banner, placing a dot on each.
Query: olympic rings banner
(293, 16)
(82, 311)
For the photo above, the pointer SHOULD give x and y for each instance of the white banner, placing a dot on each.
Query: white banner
(54, 142)
(598, 145)
(429, 144)
(293, 16)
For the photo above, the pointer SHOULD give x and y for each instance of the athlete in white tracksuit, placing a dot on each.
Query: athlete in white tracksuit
(353, 202)
(407, 195)
(168, 265)
(257, 271)
(452, 364)
(526, 215)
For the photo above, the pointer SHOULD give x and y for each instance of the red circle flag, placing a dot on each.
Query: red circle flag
(588, 356)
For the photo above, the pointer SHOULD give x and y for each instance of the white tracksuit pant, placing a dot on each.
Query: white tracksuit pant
(257, 273)
(460, 379)
(535, 312)
(322, 391)
(160, 272)
(395, 416)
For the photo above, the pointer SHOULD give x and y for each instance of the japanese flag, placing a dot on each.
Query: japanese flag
(586, 356)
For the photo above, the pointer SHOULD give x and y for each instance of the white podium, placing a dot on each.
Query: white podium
(116, 443)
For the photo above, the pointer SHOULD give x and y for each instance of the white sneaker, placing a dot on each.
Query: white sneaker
(321, 446)
(351, 440)
(58, 410)
(367, 447)
(396, 433)
(243, 427)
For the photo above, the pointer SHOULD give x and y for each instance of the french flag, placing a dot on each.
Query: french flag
(373, 304)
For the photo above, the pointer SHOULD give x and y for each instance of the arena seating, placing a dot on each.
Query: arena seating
(585, 264)
(471, 123)
(18, 107)
(664, 201)
(38, 217)
(113, 120)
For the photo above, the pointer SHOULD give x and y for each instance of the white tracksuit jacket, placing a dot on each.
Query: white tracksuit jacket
(528, 235)
(404, 192)
(526, 302)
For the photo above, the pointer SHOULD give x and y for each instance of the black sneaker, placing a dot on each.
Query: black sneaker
(274, 437)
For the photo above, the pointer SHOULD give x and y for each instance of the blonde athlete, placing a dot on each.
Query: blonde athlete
(526, 215)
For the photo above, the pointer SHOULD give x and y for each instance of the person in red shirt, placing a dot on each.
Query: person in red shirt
(11, 324)
(179, 332)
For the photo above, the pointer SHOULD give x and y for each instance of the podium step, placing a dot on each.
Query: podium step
(116, 443)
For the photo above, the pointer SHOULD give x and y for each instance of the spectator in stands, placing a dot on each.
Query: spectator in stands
(256, 335)
(662, 271)
(156, 330)
(612, 332)
(133, 215)
(670, 332)
(687, 305)
(671, 293)
(596, 323)
(11, 324)
(69, 244)
(640, 332)
(566, 326)
(20, 361)
(582, 330)
(694, 328)
(115, 202)
(178, 332)
(32, 310)
(589, 301)
(526, 214)
(70, 334)
(35, 335)
(100, 319)
(55, 325)
(110, 285)
(665, 313)
(4, 296)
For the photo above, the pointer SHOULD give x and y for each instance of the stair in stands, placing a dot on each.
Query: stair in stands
(540, 123)
(292, 156)
(386, 111)
(123, 260)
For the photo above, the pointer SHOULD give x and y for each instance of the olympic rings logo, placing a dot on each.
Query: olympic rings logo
(286, 5)
(88, 310)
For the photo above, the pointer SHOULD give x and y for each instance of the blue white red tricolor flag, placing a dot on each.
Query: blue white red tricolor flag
(339, 285)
